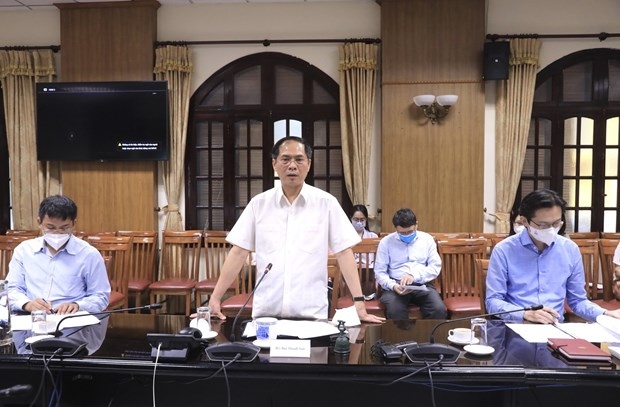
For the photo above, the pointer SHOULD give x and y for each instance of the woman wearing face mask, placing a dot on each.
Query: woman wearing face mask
(359, 220)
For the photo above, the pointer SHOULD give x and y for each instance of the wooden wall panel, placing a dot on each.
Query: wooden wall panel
(433, 47)
(110, 42)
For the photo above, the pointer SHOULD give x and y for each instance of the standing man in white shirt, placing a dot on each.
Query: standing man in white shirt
(293, 227)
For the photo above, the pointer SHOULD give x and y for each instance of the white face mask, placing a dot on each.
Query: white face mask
(359, 225)
(546, 236)
(56, 240)
(518, 228)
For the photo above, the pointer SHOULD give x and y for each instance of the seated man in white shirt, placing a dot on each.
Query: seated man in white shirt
(408, 257)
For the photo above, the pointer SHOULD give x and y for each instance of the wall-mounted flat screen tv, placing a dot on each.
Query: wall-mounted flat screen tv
(102, 121)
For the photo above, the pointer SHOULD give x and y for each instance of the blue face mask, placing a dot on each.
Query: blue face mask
(408, 238)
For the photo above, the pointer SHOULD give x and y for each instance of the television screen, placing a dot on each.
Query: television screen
(102, 121)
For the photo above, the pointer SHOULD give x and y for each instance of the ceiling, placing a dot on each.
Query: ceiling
(6, 5)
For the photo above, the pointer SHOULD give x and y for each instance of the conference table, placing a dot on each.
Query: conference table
(120, 371)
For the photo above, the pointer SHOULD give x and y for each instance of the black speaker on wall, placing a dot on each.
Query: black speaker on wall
(496, 55)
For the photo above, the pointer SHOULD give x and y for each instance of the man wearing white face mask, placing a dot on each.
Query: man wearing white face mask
(57, 272)
(538, 266)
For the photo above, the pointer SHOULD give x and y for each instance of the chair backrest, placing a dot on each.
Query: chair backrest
(24, 232)
(83, 234)
(365, 252)
(481, 266)
(610, 235)
(118, 250)
(180, 254)
(607, 249)
(583, 235)
(589, 249)
(216, 250)
(449, 235)
(492, 239)
(143, 260)
(8, 243)
(457, 277)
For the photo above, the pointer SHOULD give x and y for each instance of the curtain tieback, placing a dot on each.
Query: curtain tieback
(171, 208)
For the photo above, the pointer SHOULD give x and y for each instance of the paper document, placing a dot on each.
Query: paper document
(591, 332)
(537, 333)
(298, 329)
(407, 289)
(24, 322)
(348, 315)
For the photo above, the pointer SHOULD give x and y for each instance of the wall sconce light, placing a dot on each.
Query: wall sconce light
(435, 108)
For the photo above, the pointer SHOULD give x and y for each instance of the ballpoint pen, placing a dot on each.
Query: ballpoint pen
(52, 311)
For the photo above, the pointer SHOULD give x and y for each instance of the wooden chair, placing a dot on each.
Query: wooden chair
(244, 283)
(457, 278)
(589, 249)
(481, 266)
(607, 249)
(583, 235)
(449, 235)
(179, 265)
(30, 233)
(8, 243)
(491, 238)
(216, 250)
(83, 234)
(610, 235)
(143, 262)
(365, 252)
(116, 252)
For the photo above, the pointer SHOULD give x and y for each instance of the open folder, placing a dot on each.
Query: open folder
(605, 329)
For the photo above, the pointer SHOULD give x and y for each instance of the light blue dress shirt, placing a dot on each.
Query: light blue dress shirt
(74, 274)
(396, 258)
(520, 276)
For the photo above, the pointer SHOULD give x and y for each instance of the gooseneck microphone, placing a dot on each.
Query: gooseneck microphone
(16, 390)
(432, 352)
(224, 352)
(65, 346)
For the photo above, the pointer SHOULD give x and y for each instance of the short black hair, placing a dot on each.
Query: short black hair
(541, 198)
(404, 218)
(58, 207)
(276, 147)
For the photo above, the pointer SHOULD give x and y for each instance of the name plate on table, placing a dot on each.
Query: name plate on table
(290, 348)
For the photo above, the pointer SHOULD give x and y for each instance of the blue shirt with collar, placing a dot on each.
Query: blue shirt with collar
(76, 273)
(520, 276)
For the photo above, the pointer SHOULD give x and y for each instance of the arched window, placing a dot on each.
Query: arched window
(235, 118)
(573, 144)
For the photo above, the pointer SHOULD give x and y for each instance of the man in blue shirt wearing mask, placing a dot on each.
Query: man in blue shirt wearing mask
(539, 266)
(406, 263)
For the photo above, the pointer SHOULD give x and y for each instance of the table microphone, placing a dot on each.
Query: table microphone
(16, 390)
(229, 351)
(67, 346)
(432, 352)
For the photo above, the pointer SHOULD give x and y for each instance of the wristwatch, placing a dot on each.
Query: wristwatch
(360, 298)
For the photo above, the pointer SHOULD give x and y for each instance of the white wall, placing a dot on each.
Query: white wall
(340, 20)
(543, 17)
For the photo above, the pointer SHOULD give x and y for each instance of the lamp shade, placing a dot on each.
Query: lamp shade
(447, 100)
(423, 100)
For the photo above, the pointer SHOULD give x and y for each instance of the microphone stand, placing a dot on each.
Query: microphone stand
(432, 352)
(242, 351)
(69, 347)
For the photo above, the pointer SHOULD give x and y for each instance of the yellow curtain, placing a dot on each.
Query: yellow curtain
(358, 73)
(173, 63)
(31, 180)
(513, 116)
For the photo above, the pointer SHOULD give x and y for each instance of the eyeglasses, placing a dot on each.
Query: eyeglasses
(558, 223)
(286, 160)
(53, 229)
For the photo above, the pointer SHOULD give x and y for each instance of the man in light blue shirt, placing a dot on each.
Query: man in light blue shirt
(406, 263)
(57, 272)
(538, 266)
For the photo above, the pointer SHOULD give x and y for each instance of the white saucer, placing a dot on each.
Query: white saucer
(460, 342)
(262, 343)
(33, 339)
(209, 335)
(479, 349)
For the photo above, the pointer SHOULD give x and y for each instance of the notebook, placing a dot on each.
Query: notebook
(578, 349)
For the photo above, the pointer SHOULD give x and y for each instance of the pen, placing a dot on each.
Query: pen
(51, 309)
